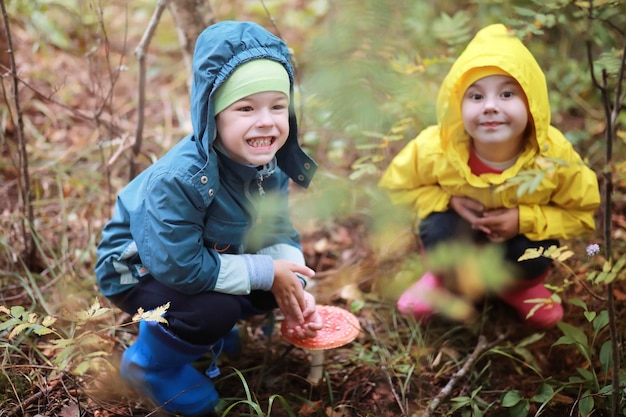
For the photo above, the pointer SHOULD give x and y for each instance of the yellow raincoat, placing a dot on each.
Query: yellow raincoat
(433, 167)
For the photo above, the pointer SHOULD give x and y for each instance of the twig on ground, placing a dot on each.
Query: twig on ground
(393, 391)
(481, 347)
(42, 393)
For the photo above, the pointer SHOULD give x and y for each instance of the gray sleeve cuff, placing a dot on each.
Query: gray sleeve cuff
(261, 271)
(289, 253)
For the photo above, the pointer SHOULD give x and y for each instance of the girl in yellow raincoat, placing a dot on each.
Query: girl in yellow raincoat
(493, 124)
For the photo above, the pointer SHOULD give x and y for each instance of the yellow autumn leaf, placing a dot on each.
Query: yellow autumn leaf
(152, 315)
(531, 253)
(48, 321)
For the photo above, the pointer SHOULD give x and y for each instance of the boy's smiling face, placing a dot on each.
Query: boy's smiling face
(254, 128)
(495, 114)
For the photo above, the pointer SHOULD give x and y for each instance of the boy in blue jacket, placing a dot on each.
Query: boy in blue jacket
(207, 228)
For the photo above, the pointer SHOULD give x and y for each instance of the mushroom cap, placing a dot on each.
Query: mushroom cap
(339, 328)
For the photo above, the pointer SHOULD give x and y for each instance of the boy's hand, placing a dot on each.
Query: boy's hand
(503, 224)
(312, 320)
(288, 291)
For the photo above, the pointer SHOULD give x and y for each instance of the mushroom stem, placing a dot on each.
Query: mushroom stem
(317, 366)
(339, 328)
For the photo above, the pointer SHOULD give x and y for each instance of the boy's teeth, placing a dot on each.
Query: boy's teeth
(260, 142)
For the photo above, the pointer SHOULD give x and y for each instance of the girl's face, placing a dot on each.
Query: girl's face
(254, 128)
(495, 113)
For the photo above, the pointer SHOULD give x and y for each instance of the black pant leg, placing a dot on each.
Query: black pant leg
(200, 319)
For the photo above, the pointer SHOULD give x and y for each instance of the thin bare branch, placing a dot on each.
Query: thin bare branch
(28, 220)
(271, 17)
(612, 109)
(611, 132)
(140, 53)
(73, 112)
(619, 97)
(114, 75)
(191, 17)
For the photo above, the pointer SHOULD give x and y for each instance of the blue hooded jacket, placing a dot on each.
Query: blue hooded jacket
(195, 220)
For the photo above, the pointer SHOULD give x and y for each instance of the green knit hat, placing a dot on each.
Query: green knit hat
(256, 76)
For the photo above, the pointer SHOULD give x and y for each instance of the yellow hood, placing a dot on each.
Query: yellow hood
(494, 50)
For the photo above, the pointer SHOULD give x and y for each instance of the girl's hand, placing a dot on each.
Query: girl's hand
(503, 224)
(470, 210)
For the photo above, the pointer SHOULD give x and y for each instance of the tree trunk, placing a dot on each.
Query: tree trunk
(191, 18)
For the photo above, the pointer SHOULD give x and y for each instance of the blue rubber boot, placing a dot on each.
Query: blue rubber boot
(158, 366)
(232, 342)
(229, 344)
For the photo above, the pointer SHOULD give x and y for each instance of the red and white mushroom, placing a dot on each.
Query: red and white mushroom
(340, 327)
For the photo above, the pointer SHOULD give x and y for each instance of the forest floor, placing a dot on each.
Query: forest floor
(396, 367)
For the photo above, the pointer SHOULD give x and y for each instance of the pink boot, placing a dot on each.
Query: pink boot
(527, 296)
(414, 300)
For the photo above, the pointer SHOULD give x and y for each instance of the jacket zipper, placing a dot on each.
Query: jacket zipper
(259, 184)
(260, 177)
